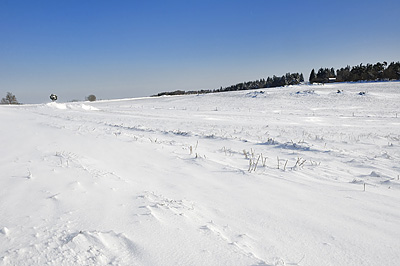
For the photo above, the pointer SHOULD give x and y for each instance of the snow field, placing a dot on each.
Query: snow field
(266, 177)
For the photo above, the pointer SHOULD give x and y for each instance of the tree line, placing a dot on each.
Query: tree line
(368, 72)
(288, 79)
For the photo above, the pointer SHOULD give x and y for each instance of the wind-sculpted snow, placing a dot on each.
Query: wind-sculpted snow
(64, 106)
(301, 175)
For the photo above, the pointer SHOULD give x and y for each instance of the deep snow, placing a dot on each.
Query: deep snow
(265, 177)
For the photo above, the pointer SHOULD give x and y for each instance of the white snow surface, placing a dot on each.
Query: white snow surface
(300, 175)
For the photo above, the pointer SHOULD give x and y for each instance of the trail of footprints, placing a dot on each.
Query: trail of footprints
(106, 247)
(151, 204)
(160, 208)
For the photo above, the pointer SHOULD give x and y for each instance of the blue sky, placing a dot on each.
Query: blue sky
(119, 49)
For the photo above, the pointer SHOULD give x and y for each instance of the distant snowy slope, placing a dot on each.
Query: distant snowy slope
(301, 175)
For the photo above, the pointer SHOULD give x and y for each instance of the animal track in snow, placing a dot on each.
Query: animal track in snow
(152, 203)
(185, 213)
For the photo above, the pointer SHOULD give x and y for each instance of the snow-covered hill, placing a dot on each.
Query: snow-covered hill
(302, 175)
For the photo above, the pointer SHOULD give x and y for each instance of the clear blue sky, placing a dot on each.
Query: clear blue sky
(119, 49)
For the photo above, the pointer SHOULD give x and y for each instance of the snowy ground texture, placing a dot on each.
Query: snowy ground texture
(266, 177)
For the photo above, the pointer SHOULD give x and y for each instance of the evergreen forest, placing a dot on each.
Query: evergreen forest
(369, 72)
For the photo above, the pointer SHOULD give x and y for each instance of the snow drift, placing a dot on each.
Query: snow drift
(300, 175)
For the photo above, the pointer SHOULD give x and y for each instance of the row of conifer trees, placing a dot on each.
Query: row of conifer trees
(270, 82)
(369, 72)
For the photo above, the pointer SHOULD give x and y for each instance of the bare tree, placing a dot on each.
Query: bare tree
(9, 99)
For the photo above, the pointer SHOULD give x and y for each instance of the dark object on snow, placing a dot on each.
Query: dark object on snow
(91, 98)
(361, 93)
(53, 97)
(339, 91)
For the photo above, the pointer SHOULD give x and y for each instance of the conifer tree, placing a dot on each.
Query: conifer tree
(312, 76)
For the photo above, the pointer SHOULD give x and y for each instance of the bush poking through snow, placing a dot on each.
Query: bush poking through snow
(91, 98)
